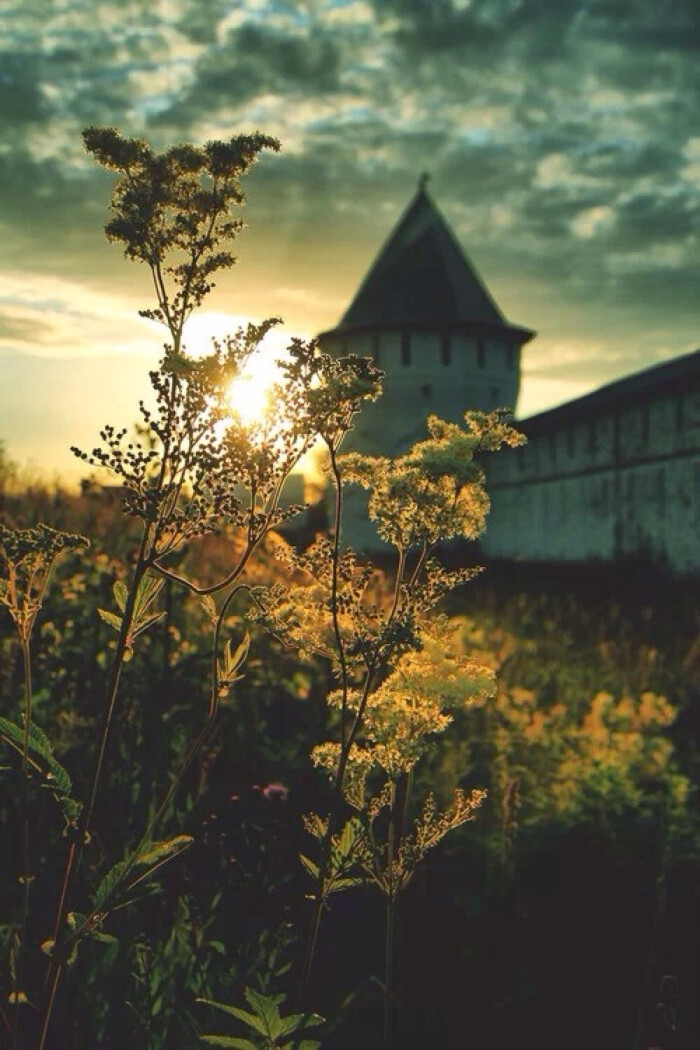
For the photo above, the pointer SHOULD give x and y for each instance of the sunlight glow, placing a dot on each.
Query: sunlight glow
(248, 394)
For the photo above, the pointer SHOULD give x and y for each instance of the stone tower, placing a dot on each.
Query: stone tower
(426, 318)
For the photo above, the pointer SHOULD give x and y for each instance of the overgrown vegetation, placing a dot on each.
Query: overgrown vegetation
(217, 747)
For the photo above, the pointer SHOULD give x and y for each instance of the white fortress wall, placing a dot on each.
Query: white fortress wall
(623, 483)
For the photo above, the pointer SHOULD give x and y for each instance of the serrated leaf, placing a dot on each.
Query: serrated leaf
(348, 837)
(120, 592)
(144, 622)
(110, 618)
(241, 1015)
(309, 865)
(234, 660)
(337, 885)
(267, 1009)
(128, 873)
(298, 1022)
(110, 883)
(41, 759)
(316, 826)
(156, 852)
(146, 593)
(229, 1040)
(39, 741)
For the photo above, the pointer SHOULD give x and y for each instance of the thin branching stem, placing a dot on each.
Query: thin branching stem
(81, 832)
(380, 658)
(26, 875)
(27, 675)
(337, 524)
(195, 746)
(373, 669)
(6, 1022)
(389, 994)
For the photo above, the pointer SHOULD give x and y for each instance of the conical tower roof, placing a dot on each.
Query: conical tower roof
(422, 277)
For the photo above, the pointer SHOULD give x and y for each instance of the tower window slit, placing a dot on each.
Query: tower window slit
(376, 355)
(405, 349)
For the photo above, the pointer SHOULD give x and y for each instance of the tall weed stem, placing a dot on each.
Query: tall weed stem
(82, 830)
(390, 924)
(26, 874)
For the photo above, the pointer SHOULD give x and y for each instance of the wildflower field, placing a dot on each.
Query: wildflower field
(257, 793)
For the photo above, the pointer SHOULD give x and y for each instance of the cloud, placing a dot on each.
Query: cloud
(255, 60)
(561, 139)
(21, 99)
(53, 318)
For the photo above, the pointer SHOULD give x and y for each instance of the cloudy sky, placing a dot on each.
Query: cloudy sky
(562, 138)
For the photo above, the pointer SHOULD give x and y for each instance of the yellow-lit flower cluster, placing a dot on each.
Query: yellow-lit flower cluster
(410, 707)
(436, 491)
(26, 558)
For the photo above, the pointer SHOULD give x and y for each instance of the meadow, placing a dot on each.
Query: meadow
(264, 794)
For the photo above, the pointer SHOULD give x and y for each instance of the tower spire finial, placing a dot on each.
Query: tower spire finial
(423, 179)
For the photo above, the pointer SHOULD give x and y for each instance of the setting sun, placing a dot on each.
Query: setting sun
(248, 394)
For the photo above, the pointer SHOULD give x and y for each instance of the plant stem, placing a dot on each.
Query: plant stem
(27, 669)
(389, 973)
(346, 745)
(390, 922)
(81, 832)
(26, 878)
(337, 523)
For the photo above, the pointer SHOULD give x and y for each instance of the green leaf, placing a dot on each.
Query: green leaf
(141, 625)
(267, 1008)
(120, 592)
(338, 885)
(110, 618)
(309, 865)
(119, 877)
(316, 826)
(229, 1040)
(298, 1022)
(42, 761)
(110, 883)
(242, 1015)
(156, 852)
(347, 840)
(146, 593)
(233, 661)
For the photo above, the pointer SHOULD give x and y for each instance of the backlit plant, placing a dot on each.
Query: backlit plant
(192, 469)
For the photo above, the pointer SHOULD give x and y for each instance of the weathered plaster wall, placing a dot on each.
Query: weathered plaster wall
(428, 372)
(622, 483)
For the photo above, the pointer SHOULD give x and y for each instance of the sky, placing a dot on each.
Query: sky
(561, 136)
